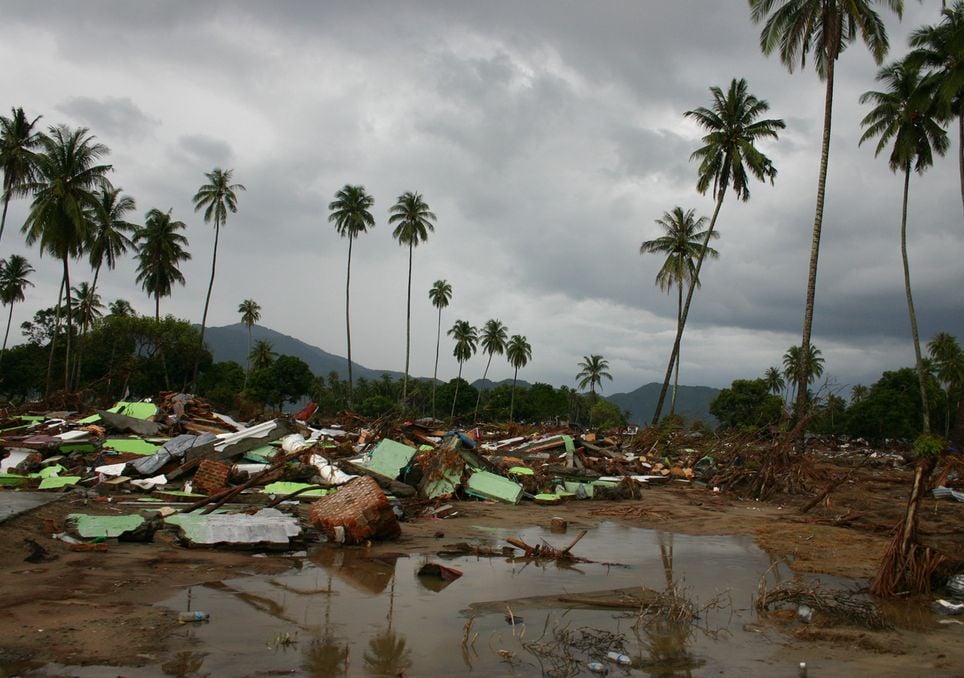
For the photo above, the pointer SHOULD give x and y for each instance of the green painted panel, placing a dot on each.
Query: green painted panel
(521, 471)
(445, 485)
(389, 458)
(13, 480)
(491, 486)
(284, 488)
(91, 527)
(67, 448)
(56, 482)
(570, 445)
(131, 446)
(261, 455)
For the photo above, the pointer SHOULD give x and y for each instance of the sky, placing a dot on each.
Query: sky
(546, 136)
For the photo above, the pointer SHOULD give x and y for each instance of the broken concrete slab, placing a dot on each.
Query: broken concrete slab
(92, 527)
(16, 503)
(267, 527)
(123, 423)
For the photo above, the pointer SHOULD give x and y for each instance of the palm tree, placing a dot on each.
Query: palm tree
(793, 366)
(941, 48)
(262, 355)
(494, 338)
(216, 198)
(122, 308)
(349, 211)
(774, 380)
(466, 339)
(109, 238)
(87, 311)
(729, 155)
(858, 393)
(593, 369)
(795, 28)
(904, 114)
(519, 353)
(681, 243)
(14, 272)
(160, 248)
(439, 295)
(250, 314)
(18, 141)
(414, 220)
(948, 361)
(64, 188)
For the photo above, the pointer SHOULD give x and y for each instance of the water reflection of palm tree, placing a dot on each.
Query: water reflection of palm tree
(387, 654)
(326, 655)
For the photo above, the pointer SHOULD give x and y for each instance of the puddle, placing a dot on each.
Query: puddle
(344, 613)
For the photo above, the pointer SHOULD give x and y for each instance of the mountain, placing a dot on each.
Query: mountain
(231, 343)
(488, 384)
(692, 402)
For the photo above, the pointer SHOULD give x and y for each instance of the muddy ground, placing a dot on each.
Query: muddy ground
(100, 607)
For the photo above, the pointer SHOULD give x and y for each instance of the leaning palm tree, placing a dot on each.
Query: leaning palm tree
(519, 353)
(729, 156)
(18, 143)
(593, 369)
(440, 295)
(905, 114)
(795, 29)
(349, 211)
(941, 48)
(216, 198)
(68, 175)
(494, 337)
(14, 279)
(160, 248)
(681, 243)
(413, 220)
(250, 312)
(466, 339)
(109, 238)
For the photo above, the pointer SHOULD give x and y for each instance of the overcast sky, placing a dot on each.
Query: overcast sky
(547, 137)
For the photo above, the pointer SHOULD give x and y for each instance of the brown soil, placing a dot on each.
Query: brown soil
(99, 607)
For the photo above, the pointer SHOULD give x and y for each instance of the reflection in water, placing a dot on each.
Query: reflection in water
(357, 569)
(326, 656)
(183, 664)
(387, 654)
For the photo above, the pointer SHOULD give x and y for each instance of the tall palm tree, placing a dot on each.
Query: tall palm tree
(160, 248)
(729, 156)
(941, 48)
(121, 307)
(681, 243)
(18, 143)
(250, 312)
(262, 355)
(905, 114)
(68, 175)
(14, 279)
(216, 198)
(775, 381)
(519, 353)
(466, 340)
(349, 211)
(87, 311)
(109, 238)
(795, 29)
(494, 338)
(413, 220)
(593, 369)
(440, 295)
(948, 361)
(793, 366)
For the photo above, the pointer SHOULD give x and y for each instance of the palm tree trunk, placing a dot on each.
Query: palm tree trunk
(455, 398)
(207, 301)
(802, 377)
(70, 325)
(438, 341)
(918, 363)
(679, 318)
(6, 203)
(408, 327)
(686, 306)
(478, 399)
(157, 307)
(7, 334)
(960, 153)
(53, 341)
(512, 397)
(348, 319)
(247, 372)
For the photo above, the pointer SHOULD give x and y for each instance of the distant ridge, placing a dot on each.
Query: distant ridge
(692, 402)
(230, 342)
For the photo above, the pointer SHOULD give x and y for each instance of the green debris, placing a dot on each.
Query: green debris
(93, 527)
(389, 458)
(131, 446)
(57, 482)
(135, 410)
(490, 486)
(521, 471)
(285, 488)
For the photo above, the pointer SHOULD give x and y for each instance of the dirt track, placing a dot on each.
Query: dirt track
(99, 608)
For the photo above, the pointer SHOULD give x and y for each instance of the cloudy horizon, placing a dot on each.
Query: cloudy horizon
(546, 136)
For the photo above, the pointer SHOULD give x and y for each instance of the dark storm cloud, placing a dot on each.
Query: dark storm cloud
(115, 116)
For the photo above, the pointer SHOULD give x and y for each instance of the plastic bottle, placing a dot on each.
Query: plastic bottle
(619, 658)
(597, 667)
(196, 616)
